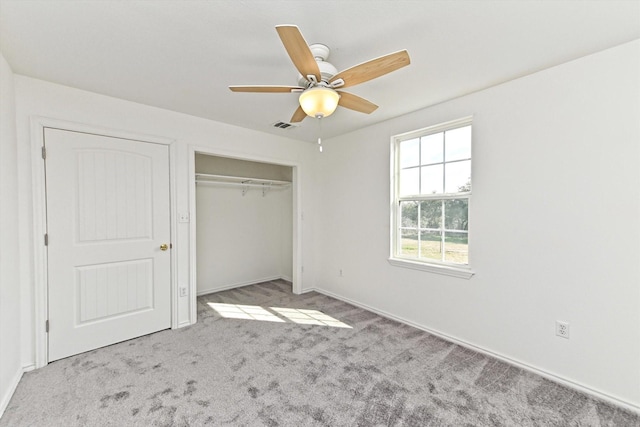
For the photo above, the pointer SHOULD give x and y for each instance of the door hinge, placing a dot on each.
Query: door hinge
(44, 153)
(46, 326)
(46, 239)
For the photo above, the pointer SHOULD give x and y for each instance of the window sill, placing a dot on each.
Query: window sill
(447, 270)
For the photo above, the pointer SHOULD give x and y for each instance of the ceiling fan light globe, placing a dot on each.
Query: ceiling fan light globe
(319, 101)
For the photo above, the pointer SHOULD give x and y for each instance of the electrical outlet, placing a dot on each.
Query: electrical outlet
(183, 291)
(562, 329)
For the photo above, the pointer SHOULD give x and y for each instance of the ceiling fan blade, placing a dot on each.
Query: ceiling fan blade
(298, 116)
(266, 89)
(372, 69)
(298, 50)
(356, 103)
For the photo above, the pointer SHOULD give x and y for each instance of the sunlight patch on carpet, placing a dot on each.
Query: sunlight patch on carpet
(276, 314)
(251, 312)
(309, 317)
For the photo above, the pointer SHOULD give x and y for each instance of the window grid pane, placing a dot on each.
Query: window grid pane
(410, 181)
(457, 176)
(431, 214)
(458, 144)
(432, 149)
(456, 214)
(410, 153)
(431, 245)
(409, 243)
(409, 214)
(431, 179)
(456, 247)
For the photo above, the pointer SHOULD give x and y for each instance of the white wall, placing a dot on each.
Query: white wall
(241, 239)
(10, 367)
(39, 98)
(554, 225)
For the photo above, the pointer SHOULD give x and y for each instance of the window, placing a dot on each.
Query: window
(431, 192)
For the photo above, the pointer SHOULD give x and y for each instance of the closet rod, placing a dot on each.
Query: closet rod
(239, 180)
(245, 184)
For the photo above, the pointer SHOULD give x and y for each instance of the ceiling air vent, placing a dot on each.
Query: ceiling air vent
(283, 125)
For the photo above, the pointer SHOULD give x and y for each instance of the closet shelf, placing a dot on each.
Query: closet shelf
(242, 182)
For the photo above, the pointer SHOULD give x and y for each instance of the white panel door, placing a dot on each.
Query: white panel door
(108, 214)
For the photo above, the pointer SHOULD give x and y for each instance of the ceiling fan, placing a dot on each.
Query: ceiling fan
(319, 79)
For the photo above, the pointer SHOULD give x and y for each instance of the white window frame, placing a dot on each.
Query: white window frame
(433, 266)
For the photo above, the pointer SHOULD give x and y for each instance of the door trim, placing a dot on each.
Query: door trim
(297, 216)
(38, 125)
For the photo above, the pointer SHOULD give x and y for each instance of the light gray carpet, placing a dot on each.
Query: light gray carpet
(246, 372)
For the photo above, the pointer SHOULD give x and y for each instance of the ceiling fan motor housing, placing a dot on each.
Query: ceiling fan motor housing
(327, 71)
(320, 52)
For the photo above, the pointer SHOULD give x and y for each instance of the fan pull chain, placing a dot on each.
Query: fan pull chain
(319, 117)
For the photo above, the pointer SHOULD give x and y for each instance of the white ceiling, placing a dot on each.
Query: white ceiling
(182, 55)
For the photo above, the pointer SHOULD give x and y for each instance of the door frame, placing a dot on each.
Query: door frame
(40, 260)
(297, 216)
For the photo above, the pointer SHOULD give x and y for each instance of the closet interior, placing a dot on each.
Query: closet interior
(244, 222)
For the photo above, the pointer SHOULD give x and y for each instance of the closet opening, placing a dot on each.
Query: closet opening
(244, 226)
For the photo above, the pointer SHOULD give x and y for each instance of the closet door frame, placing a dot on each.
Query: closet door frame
(296, 204)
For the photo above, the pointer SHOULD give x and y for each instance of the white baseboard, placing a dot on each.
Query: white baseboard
(548, 375)
(12, 388)
(286, 279)
(183, 324)
(239, 284)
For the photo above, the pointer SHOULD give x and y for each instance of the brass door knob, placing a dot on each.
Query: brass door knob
(164, 247)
